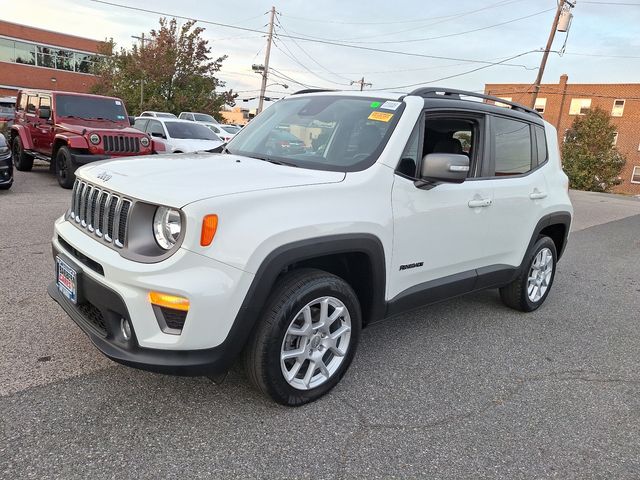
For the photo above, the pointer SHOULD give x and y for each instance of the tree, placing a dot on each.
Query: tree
(589, 158)
(175, 66)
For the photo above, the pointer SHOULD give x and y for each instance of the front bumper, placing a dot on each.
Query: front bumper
(6, 171)
(112, 287)
(84, 158)
(113, 345)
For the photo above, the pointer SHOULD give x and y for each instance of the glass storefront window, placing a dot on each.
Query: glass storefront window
(7, 50)
(25, 53)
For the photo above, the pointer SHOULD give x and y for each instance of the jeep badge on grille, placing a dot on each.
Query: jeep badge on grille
(104, 176)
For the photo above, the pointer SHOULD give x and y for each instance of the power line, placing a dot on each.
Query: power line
(458, 74)
(325, 42)
(307, 53)
(292, 57)
(568, 92)
(418, 20)
(448, 35)
(626, 4)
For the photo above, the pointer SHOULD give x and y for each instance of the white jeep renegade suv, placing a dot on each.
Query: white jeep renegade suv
(329, 211)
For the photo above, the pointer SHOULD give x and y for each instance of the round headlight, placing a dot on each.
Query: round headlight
(167, 225)
(94, 138)
(144, 141)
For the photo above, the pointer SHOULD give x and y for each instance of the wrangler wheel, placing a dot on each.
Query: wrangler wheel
(22, 161)
(65, 168)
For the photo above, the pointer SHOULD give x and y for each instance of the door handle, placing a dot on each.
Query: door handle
(537, 195)
(482, 202)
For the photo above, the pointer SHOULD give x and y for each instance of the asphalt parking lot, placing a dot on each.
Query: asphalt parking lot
(463, 389)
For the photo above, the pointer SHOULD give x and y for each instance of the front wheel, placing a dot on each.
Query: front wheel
(531, 288)
(22, 160)
(65, 168)
(306, 339)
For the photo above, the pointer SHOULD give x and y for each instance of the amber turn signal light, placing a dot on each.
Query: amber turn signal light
(169, 301)
(209, 227)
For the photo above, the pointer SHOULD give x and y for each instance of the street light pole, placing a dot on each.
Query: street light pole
(142, 40)
(265, 73)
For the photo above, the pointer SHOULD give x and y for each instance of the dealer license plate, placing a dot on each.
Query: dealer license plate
(67, 279)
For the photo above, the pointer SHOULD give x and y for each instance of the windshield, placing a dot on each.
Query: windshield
(230, 129)
(187, 130)
(322, 132)
(203, 117)
(90, 108)
(165, 115)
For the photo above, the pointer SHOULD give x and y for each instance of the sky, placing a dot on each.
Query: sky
(603, 45)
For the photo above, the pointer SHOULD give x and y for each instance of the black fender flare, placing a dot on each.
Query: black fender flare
(285, 255)
(556, 218)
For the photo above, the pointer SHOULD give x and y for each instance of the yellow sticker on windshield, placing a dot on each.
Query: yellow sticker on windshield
(381, 116)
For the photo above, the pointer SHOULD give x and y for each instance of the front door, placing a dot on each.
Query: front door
(440, 232)
(42, 132)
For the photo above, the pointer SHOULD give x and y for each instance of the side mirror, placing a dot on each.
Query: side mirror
(44, 113)
(445, 167)
(132, 120)
(158, 135)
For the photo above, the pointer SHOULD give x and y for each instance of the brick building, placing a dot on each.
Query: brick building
(35, 58)
(560, 104)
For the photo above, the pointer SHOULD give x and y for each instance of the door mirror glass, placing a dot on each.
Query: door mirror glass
(445, 167)
(44, 113)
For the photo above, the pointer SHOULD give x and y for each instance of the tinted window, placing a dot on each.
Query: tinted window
(203, 117)
(90, 108)
(512, 147)
(155, 127)
(189, 130)
(141, 124)
(541, 143)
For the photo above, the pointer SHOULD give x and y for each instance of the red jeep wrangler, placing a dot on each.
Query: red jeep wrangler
(71, 129)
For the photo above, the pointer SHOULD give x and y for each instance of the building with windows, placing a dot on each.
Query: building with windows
(561, 103)
(41, 59)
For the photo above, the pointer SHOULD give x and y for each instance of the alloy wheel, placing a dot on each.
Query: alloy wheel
(316, 343)
(540, 275)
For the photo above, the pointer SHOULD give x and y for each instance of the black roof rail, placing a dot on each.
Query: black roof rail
(313, 90)
(438, 92)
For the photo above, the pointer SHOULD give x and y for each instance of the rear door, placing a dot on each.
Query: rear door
(519, 187)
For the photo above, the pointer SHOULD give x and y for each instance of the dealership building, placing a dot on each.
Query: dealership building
(35, 58)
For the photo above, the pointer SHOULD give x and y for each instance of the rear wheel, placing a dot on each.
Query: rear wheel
(65, 168)
(22, 160)
(306, 339)
(527, 292)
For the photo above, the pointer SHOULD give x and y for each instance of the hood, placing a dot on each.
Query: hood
(176, 180)
(191, 145)
(97, 126)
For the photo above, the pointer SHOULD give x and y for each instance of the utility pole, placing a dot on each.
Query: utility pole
(267, 53)
(545, 55)
(362, 83)
(142, 40)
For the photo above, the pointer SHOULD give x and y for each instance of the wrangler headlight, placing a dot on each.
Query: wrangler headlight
(167, 225)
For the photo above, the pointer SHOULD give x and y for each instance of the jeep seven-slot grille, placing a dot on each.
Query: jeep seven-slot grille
(121, 144)
(100, 212)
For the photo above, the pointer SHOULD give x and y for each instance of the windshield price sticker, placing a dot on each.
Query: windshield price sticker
(389, 105)
(118, 102)
(381, 116)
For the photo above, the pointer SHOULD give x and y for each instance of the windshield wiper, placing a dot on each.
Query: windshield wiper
(102, 118)
(219, 149)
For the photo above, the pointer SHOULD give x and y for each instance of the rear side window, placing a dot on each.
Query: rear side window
(541, 145)
(23, 102)
(512, 147)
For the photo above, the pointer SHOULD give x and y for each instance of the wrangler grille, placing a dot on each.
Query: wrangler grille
(100, 212)
(121, 144)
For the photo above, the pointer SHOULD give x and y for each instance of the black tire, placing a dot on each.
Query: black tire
(65, 168)
(291, 294)
(21, 160)
(516, 294)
